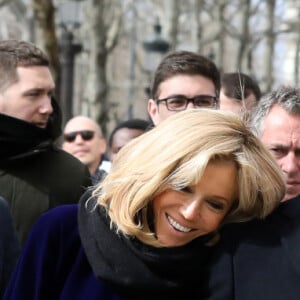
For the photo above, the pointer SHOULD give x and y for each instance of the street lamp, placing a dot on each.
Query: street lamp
(155, 48)
(211, 54)
(69, 20)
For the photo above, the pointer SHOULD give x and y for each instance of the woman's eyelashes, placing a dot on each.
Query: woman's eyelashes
(215, 204)
(187, 189)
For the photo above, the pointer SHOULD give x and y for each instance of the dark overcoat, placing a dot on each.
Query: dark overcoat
(260, 260)
(36, 175)
(9, 245)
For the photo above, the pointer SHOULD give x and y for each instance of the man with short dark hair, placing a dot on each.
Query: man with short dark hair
(34, 174)
(239, 93)
(183, 80)
(123, 133)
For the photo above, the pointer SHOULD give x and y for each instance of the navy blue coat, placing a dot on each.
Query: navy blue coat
(260, 259)
(53, 264)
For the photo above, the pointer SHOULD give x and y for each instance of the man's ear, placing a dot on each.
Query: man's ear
(153, 111)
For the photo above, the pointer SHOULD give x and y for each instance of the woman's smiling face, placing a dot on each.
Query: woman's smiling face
(182, 216)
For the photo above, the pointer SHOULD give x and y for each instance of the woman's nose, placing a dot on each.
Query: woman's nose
(191, 210)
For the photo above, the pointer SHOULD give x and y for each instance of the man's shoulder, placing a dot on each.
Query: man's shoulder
(257, 232)
(53, 172)
(60, 164)
(65, 159)
(280, 225)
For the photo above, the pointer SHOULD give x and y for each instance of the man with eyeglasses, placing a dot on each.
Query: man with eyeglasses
(183, 80)
(35, 175)
(83, 138)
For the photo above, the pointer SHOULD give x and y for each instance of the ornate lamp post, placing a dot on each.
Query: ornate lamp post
(69, 20)
(212, 54)
(155, 48)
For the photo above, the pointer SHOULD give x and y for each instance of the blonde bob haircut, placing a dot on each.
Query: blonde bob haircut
(174, 155)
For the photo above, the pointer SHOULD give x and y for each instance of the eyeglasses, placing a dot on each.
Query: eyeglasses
(180, 102)
(86, 135)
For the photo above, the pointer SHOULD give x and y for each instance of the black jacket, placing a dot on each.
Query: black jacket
(260, 259)
(35, 175)
(9, 245)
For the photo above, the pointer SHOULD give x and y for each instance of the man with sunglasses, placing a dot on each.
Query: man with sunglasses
(183, 80)
(83, 138)
(34, 174)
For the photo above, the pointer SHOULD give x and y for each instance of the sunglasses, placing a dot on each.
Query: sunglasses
(86, 135)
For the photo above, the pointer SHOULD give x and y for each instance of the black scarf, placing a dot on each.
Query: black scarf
(20, 139)
(136, 270)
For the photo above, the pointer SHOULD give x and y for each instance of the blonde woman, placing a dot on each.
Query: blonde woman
(146, 232)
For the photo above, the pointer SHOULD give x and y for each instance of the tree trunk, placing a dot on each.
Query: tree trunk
(220, 51)
(44, 13)
(197, 27)
(297, 52)
(103, 31)
(245, 36)
(270, 42)
(173, 7)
